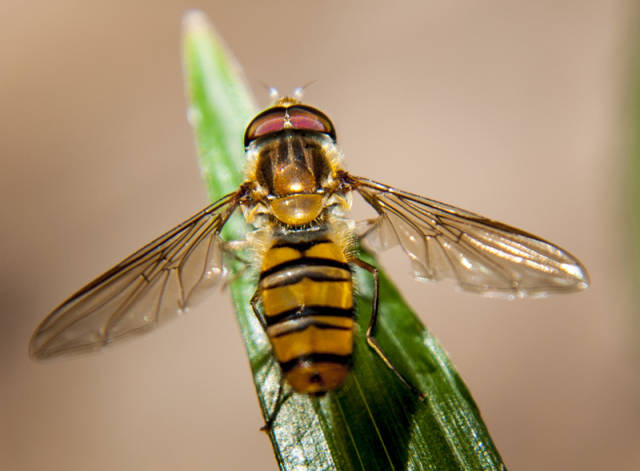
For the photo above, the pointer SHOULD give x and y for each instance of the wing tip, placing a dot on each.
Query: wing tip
(35, 349)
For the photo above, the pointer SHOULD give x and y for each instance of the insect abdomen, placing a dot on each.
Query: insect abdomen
(307, 300)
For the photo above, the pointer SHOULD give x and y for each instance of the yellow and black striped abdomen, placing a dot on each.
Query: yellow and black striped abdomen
(307, 300)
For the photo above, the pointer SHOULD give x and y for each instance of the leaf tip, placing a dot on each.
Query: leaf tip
(194, 20)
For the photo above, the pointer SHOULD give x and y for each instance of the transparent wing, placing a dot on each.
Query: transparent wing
(150, 286)
(482, 255)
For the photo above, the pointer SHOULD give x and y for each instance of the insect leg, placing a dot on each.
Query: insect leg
(256, 310)
(234, 249)
(281, 398)
(372, 324)
(239, 272)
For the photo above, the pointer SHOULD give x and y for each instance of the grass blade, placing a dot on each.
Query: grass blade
(373, 421)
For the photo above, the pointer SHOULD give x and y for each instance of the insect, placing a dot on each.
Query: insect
(296, 197)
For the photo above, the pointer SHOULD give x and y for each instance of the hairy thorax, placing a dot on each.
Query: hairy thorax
(295, 179)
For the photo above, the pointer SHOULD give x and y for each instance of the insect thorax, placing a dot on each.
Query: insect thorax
(294, 176)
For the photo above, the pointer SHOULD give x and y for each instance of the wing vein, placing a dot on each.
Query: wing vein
(482, 255)
(139, 292)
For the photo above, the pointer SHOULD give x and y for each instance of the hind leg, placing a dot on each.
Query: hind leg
(372, 324)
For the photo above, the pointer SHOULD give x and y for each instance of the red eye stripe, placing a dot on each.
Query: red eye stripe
(308, 118)
(267, 122)
(299, 117)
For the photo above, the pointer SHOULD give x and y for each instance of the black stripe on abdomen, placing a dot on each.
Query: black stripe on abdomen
(306, 311)
(302, 262)
(315, 358)
(302, 325)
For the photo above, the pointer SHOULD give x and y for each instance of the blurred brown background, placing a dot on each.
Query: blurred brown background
(512, 109)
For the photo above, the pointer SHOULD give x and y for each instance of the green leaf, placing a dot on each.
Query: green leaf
(373, 421)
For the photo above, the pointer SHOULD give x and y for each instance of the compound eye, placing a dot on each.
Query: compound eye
(272, 120)
(310, 119)
(299, 117)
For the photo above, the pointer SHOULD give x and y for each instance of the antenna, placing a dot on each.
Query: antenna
(274, 94)
(299, 91)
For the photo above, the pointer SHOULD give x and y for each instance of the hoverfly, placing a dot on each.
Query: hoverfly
(296, 196)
